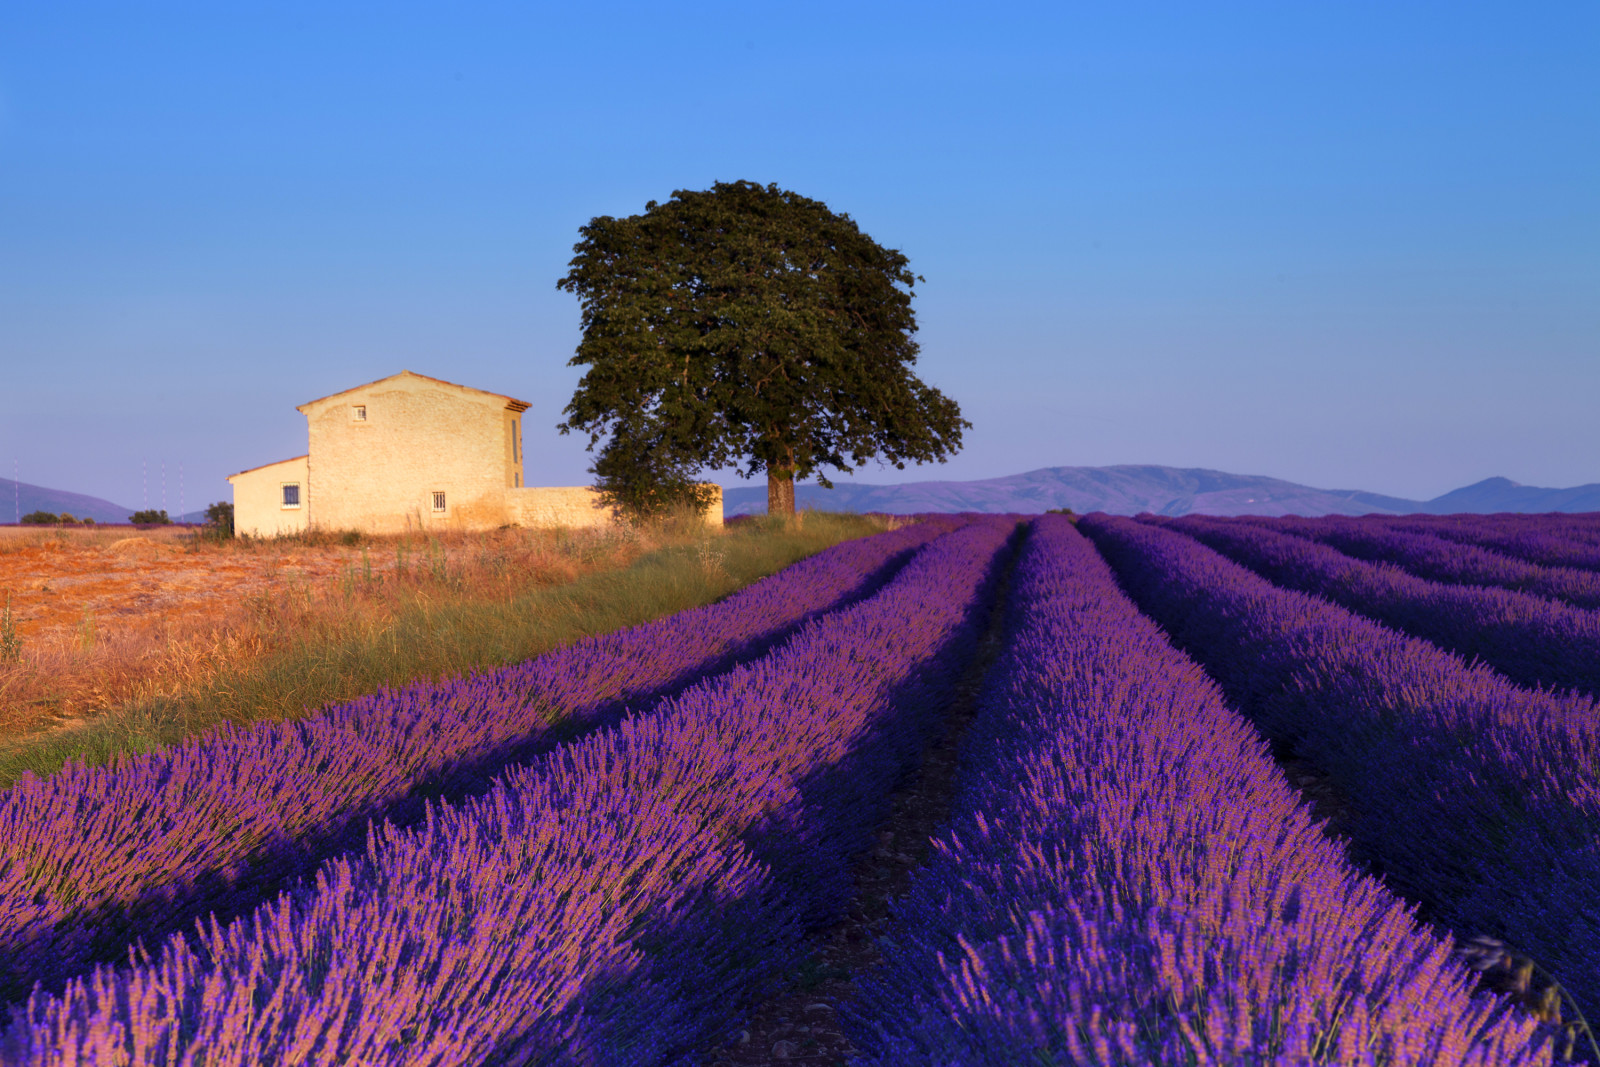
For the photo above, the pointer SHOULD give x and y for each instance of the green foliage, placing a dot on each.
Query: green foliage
(41, 518)
(219, 517)
(645, 484)
(745, 326)
(151, 517)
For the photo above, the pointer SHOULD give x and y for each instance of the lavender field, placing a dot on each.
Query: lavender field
(1225, 791)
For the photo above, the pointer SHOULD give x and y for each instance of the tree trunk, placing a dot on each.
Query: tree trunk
(780, 492)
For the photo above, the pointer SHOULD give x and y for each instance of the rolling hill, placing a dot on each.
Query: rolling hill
(1131, 489)
(20, 498)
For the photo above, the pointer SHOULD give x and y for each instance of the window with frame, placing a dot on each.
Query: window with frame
(438, 501)
(291, 494)
(358, 413)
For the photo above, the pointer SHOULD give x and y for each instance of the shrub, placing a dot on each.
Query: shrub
(152, 517)
(219, 519)
(41, 518)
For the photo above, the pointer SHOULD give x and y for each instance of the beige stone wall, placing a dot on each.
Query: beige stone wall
(575, 505)
(556, 506)
(258, 499)
(379, 453)
(419, 436)
(714, 512)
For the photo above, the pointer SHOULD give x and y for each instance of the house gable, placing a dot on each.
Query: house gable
(413, 452)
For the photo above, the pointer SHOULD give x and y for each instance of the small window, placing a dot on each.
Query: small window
(291, 494)
(438, 502)
(516, 450)
(358, 413)
(519, 479)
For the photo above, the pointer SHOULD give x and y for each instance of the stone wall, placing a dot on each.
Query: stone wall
(258, 499)
(380, 452)
(574, 506)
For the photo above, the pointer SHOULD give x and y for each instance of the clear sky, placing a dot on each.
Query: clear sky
(1350, 244)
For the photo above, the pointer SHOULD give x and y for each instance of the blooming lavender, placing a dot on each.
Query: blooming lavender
(95, 856)
(611, 902)
(1548, 540)
(1427, 555)
(1130, 880)
(1532, 640)
(1475, 797)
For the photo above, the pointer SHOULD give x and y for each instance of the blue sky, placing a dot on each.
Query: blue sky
(1355, 245)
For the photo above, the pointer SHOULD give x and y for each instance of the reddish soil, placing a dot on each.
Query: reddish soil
(133, 579)
(96, 608)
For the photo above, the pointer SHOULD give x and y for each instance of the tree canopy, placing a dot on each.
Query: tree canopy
(749, 326)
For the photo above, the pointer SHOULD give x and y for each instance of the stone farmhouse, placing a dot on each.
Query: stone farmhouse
(409, 452)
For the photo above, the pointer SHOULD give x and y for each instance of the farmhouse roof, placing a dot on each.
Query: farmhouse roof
(264, 466)
(511, 402)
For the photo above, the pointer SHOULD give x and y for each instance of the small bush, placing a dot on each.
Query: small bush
(151, 517)
(219, 521)
(41, 518)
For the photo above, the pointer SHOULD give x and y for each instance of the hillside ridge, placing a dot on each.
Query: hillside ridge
(1130, 489)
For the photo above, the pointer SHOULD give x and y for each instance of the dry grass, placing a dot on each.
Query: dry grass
(101, 621)
(126, 646)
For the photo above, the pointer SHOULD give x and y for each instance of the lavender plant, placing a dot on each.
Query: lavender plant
(1549, 543)
(1475, 797)
(611, 902)
(1130, 879)
(1533, 641)
(1439, 559)
(95, 856)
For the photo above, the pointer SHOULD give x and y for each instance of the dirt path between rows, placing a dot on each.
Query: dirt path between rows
(799, 1024)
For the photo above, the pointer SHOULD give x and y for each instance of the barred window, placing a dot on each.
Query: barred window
(358, 413)
(438, 500)
(291, 494)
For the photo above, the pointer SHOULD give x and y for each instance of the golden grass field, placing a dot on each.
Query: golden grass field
(107, 616)
(132, 638)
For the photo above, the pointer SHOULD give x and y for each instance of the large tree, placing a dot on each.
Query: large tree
(746, 326)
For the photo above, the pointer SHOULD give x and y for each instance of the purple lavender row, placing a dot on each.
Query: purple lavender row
(1532, 640)
(1583, 526)
(95, 856)
(1130, 879)
(613, 902)
(1474, 796)
(1440, 559)
(1527, 538)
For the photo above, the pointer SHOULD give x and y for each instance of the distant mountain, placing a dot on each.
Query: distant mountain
(1129, 490)
(1503, 494)
(20, 498)
(1121, 490)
